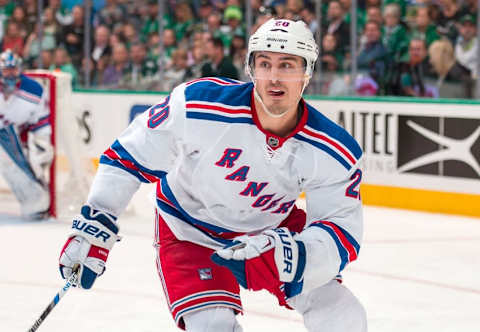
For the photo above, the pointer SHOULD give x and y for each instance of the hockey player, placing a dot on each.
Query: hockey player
(229, 160)
(24, 164)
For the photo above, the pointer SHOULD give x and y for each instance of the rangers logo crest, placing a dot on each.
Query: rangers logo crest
(205, 274)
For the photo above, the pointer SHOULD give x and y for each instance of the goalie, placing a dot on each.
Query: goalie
(26, 151)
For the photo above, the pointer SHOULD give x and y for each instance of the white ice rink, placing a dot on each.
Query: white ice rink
(416, 272)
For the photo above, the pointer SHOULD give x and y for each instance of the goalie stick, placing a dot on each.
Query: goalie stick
(54, 302)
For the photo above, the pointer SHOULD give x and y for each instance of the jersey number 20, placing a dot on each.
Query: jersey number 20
(158, 114)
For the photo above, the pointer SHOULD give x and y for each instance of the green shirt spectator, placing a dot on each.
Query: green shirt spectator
(424, 29)
(62, 62)
(6, 10)
(395, 37)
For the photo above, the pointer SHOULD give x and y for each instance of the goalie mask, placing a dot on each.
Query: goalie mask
(10, 68)
(286, 37)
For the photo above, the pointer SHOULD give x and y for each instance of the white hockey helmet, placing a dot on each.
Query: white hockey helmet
(284, 36)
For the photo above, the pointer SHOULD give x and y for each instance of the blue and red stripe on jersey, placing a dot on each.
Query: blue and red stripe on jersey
(215, 80)
(118, 156)
(204, 110)
(326, 135)
(27, 96)
(44, 121)
(167, 202)
(348, 247)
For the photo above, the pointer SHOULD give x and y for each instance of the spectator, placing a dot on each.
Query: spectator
(50, 24)
(151, 21)
(178, 72)
(62, 62)
(62, 15)
(331, 57)
(142, 69)
(73, 35)
(13, 40)
(31, 13)
(238, 51)
(198, 58)
(131, 36)
(337, 26)
(218, 64)
(184, 20)
(308, 16)
(114, 74)
(466, 47)
(374, 13)
(47, 59)
(448, 70)
(346, 6)
(169, 45)
(233, 16)
(101, 46)
(470, 7)
(413, 72)
(204, 12)
(395, 36)
(450, 15)
(215, 28)
(32, 48)
(424, 29)
(374, 57)
(294, 6)
(6, 10)
(112, 14)
(19, 17)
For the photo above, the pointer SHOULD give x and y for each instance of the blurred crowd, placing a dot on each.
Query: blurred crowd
(404, 47)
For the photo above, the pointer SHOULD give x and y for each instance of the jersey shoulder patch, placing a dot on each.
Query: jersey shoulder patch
(326, 135)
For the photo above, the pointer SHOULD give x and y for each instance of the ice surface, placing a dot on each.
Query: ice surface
(416, 272)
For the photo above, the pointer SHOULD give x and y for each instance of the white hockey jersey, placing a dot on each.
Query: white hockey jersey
(25, 107)
(220, 174)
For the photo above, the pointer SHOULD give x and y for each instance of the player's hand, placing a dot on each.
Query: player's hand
(86, 250)
(272, 260)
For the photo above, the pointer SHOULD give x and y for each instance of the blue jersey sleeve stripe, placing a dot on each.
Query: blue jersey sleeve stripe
(325, 148)
(343, 253)
(118, 156)
(321, 123)
(115, 163)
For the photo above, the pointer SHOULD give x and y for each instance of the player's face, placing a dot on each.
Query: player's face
(279, 80)
(10, 72)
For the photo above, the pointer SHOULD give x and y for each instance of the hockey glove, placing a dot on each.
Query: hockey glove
(272, 260)
(94, 234)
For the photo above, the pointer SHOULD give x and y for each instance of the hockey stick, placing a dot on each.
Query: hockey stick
(54, 302)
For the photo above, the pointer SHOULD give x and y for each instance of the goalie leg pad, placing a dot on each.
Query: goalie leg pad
(34, 199)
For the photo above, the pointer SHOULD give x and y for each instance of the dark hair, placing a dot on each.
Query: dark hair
(217, 42)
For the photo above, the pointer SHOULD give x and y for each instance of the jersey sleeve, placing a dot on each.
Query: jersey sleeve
(143, 153)
(39, 121)
(334, 228)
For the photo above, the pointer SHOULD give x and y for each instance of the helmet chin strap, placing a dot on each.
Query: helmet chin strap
(257, 97)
